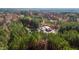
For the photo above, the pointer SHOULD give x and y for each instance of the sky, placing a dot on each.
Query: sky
(39, 3)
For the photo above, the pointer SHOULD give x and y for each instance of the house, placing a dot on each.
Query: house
(46, 29)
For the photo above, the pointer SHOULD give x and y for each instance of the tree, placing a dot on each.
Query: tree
(57, 43)
(72, 37)
(37, 42)
(18, 36)
(4, 37)
(32, 24)
(66, 26)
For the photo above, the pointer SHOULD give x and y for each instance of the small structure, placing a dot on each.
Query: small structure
(47, 29)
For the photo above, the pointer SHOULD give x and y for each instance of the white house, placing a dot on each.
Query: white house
(47, 29)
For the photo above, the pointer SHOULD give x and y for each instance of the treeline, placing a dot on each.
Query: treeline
(17, 37)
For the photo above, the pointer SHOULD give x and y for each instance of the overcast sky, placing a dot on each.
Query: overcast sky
(39, 3)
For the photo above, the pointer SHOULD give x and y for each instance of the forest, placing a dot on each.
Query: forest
(23, 35)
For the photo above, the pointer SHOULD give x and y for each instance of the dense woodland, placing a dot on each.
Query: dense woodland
(16, 36)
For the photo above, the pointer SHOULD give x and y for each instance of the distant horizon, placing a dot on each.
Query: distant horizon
(44, 9)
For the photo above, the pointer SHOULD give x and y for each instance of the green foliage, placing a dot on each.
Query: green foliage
(3, 39)
(72, 37)
(57, 43)
(18, 36)
(32, 24)
(37, 41)
(66, 26)
(70, 32)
